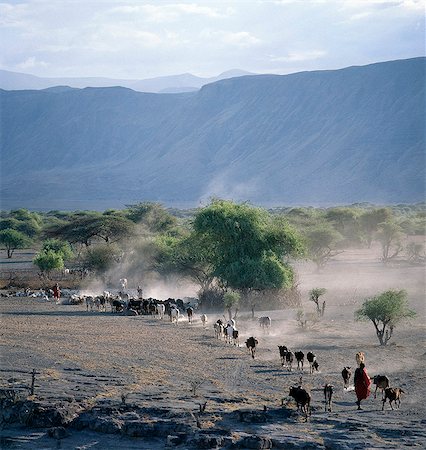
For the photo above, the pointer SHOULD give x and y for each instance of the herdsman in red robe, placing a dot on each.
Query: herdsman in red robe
(362, 384)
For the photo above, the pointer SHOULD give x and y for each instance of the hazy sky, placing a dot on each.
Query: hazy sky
(140, 39)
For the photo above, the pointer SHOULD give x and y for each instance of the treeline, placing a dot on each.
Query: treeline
(224, 247)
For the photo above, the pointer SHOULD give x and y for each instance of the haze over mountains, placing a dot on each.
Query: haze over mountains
(311, 138)
(185, 82)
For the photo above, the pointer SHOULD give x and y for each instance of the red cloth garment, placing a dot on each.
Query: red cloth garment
(56, 292)
(362, 384)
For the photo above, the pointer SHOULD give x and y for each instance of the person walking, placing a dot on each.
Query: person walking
(56, 293)
(362, 384)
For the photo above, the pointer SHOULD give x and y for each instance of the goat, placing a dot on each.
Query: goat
(283, 351)
(160, 309)
(300, 356)
(346, 375)
(303, 399)
(251, 343)
(90, 303)
(190, 312)
(313, 364)
(394, 395)
(229, 331)
(381, 382)
(328, 394)
(235, 337)
(218, 329)
(265, 322)
(174, 315)
(289, 357)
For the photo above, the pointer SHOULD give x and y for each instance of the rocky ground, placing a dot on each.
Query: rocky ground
(114, 381)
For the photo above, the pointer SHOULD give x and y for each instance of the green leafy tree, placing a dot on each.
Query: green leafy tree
(102, 257)
(416, 252)
(186, 256)
(47, 261)
(369, 222)
(389, 235)
(322, 241)
(12, 240)
(385, 311)
(344, 219)
(246, 246)
(58, 246)
(152, 215)
(83, 229)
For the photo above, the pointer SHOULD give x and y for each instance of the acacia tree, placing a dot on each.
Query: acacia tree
(12, 240)
(231, 300)
(385, 311)
(246, 246)
(108, 227)
(47, 261)
(314, 295)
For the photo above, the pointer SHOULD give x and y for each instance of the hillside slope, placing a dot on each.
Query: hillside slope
(349, 135)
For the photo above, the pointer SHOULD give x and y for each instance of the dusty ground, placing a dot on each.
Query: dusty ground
(95, 358)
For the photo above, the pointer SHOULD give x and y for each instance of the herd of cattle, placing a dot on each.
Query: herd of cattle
(175, 309)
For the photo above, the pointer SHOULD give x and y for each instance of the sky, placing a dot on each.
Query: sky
(143, 39)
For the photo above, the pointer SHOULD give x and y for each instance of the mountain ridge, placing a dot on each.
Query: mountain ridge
(345, 136)
(176, 83)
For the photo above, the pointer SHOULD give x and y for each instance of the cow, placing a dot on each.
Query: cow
(313, 364)
(136, 305)
(394, 395)
(300, 357)
(203, 318)
(303, 399)
(251, 343)
(381, 382)
(346, 375)
(328, 394)
(117, 306)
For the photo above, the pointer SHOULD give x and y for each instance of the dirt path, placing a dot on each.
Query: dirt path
(100, 357)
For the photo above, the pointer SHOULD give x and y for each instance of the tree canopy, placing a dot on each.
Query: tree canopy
(12, 240)
(246, 246)
(385, 311)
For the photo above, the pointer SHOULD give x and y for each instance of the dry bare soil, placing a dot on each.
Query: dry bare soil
(87, 362)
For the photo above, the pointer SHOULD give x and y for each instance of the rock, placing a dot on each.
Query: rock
(58, 432)
(207, 441)
(176, 439)
(107, 425)
(139, 428)
(254, 442)
(250, 416)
